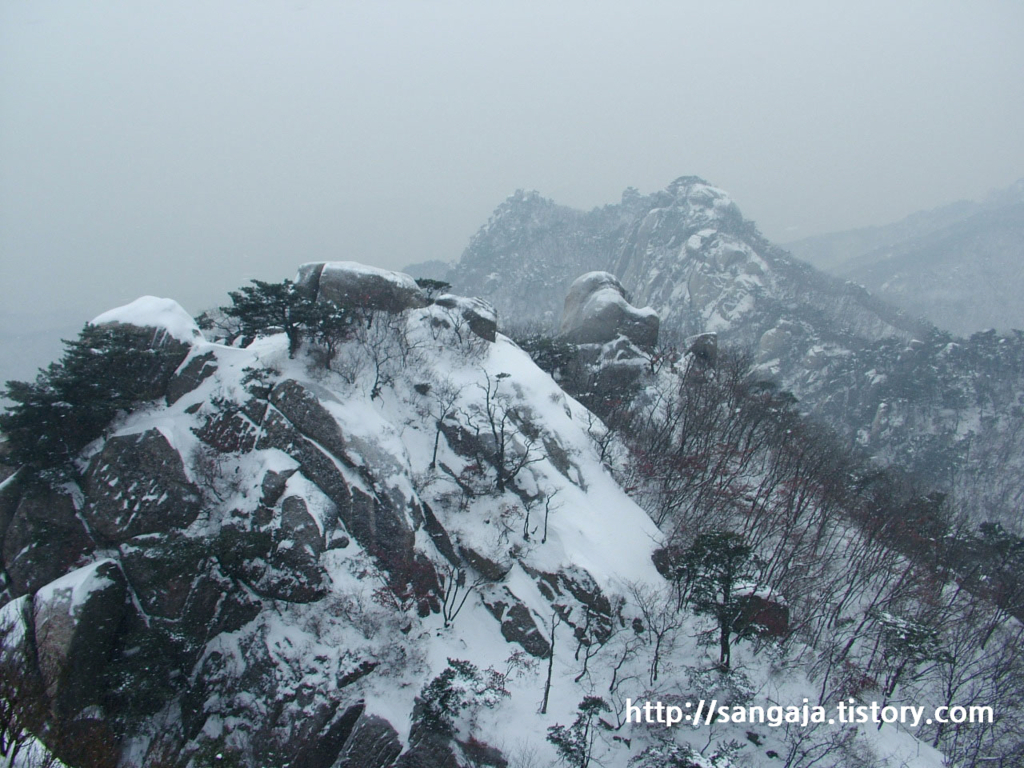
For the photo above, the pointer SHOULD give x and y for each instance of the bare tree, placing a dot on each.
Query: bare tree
(661, 623)
(445, 396)
(512, 449)
(454, 592)
(555, 621)
(24, 706)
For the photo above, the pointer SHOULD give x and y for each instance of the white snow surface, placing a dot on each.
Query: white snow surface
(399, 278)
(74, 588)
(153, 312)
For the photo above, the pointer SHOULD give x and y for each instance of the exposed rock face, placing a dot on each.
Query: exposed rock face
(704, 348)
(76, 619)
(481, 316)
(137, 485)
(373, 744)
(579, 601)
(298, 545)
(767, 615)
(163, 570)
(597, 310)
(44, 539)
(350, 284)
(428, 753)
(264, 564)
(687, 252)
(198, 369)
(517, 623)
(483, 754)
(491, 570)
(377, 521)
(613, 339)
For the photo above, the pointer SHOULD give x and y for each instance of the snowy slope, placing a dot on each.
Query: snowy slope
(271, 655)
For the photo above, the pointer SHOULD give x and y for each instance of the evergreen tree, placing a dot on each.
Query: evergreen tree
(433, 288)
(575, 744)
(107, 369)
(713, 567)
(262, 306)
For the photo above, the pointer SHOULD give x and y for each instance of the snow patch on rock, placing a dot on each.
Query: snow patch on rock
(153, 312)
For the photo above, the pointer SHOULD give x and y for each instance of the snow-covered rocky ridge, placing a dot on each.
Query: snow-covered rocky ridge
(271, 560)
(687, 251)
(942, 407)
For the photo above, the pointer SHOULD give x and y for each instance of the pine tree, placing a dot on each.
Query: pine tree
(713, 567)
(575, 744)
(107, 369)
(262, 306)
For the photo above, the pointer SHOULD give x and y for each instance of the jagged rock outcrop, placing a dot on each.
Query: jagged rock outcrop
(137, 485)
(517, 623)
(579, 601)
(44, 539)
(298, 545)
(597, 311)
(612, 341)
(477, 313)
(190, 376)
(846, 355)
(373, 743)
(344, 566)
(685, 251)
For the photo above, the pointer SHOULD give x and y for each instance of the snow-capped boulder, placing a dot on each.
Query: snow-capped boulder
(162, 325)
(774, 343)
(358, 286)
(164, 316)
(137, 485)
(597, 310)
(704, 348)
(479, 314)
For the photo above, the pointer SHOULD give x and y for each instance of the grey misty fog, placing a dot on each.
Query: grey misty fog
(172, 149)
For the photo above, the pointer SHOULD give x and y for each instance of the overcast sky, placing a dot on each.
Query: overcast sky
(181, 148)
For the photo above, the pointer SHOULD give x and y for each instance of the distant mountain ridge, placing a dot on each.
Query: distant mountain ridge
(894, 384)
(959, 265)
(686, 250)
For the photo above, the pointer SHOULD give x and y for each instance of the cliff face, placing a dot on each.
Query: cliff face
(272, 557)
(405, 548)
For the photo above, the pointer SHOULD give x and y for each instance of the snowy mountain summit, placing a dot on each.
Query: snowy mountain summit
(354, 525)
(903, 391)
